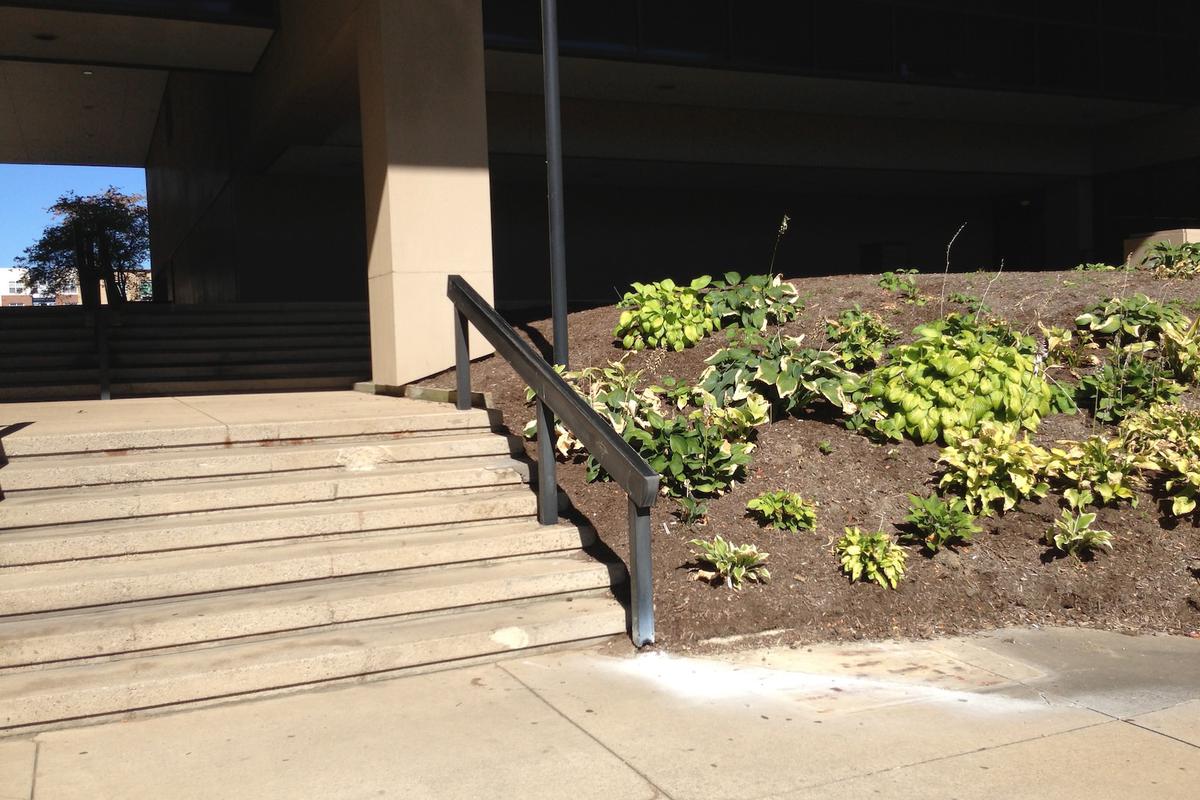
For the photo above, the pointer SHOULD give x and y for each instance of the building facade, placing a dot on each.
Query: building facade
(309, 150)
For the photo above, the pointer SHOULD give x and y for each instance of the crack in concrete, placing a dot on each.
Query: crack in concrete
(658, 790)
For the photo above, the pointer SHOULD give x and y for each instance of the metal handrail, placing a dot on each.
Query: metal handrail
(556, 398)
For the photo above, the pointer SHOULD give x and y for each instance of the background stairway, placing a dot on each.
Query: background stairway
(206, 564)
(153, 349)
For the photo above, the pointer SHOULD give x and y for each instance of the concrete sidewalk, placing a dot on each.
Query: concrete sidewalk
(1058, 713)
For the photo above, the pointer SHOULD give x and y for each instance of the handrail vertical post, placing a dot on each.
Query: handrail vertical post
(462, 361)
(641, 581)
(546, 466)
(102, 352)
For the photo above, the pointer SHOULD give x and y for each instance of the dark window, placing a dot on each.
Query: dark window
(772, 33)
(685, 29)
(853, 36)
(1001, 51)
(1068, 58)
(1131, 64)
(585, 26)
(930, 44)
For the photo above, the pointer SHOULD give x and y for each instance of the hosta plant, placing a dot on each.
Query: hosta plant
(1097, 467)
(998, 466)
(755, 301)
(1129, 382)
(859, 338)
(1137, 317)
(902, 283)
(871, 556)
(1180, 348)
(1165, 439)
(1167, 260)
(974, 303)
(612, 392)
(776, 369)
(693, 511)
(665, 315)
(937, 523)
(1066, 348)
(948, 382)
(697, 454)
(731, 564)
(783, 510)
(1073, 533)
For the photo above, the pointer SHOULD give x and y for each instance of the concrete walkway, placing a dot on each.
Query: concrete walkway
(1013, 714)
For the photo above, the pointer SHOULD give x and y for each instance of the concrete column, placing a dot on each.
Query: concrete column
(425, 171)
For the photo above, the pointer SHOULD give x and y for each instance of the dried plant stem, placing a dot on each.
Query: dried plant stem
(946, 271)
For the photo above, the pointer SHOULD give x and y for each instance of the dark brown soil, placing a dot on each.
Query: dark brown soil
(1149, 583)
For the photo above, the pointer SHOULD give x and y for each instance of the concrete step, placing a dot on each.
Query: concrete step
(107, 631)
(96, 469)
(298, 342)
(84, 355)
(218, 333)
(62, 506)
(45, 695)
(337, 518)
(415, 417)
(131, 319)
(307, 383)
(286, 355)
(357, 364)
(32, 393)
(53, 587)
(55, 376)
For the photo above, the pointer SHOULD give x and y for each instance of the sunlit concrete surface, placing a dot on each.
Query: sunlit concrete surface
(1056, 713)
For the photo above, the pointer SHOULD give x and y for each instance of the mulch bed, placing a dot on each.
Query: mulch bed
(1149, 583)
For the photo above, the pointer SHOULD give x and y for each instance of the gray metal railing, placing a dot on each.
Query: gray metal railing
(555, 397)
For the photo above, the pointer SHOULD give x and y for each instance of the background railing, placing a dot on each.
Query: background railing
(556, 398)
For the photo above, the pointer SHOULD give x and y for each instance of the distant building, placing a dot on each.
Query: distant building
(14, 292)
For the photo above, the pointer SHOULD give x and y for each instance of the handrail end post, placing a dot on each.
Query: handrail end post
(462, 361)
(641, 581)
(546, 466)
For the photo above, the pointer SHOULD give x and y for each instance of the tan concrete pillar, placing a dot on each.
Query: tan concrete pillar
(425, 170)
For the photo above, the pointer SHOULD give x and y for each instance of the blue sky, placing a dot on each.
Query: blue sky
(27, 190)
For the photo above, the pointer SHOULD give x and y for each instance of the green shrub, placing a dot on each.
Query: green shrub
(937, 523)
(1119, 388)
(665, 315)
(732, 564)
(974, 303)
(1137, 317)
(1180, 348)
(996, 465)
(1096, 467)
(1096, 267)
(859, 337)
(1167, 260)
(697, 454)
(755, 301)
(1065, 348)
(1073, 533)
(777, 369)
(953, 378)
(871, 556)
(783, 510)
(902, 283)
(1165, 439)
(692, 511)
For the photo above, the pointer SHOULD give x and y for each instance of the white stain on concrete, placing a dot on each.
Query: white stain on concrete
(512, 638)
(706, 680)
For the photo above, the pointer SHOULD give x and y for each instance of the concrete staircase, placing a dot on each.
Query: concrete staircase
(154, 349)
(142, 569)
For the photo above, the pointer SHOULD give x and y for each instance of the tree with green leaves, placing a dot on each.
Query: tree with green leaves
(100, 237)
